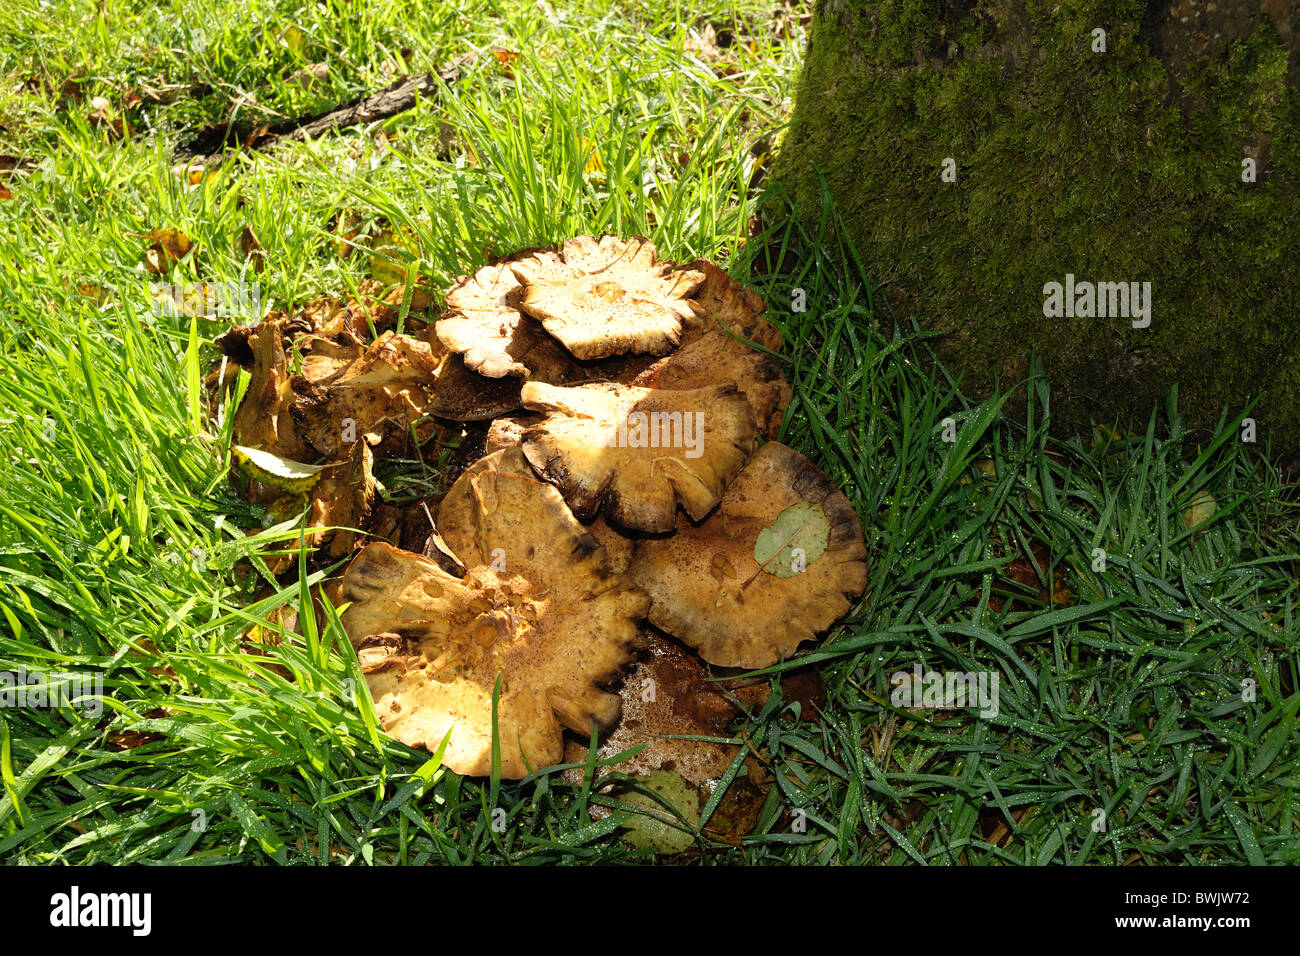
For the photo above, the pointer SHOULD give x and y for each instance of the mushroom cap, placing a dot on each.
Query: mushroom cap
(639, 452)
(432, 647)
(498, 514)
(465, 396)
(708, 589)
(382, 392)
(720, 299)
(719, 356)
(508, 433)
(608, 296)
(666, 696)
(484, 324)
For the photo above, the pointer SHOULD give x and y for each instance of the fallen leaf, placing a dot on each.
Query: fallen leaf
(793, 541)
(270, 469)
(169, 247)
(251, 248)
(1201, 509)
(737, 813)
(657, 828)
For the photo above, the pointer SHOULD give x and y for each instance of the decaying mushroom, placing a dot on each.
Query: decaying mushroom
(263, 419)
(608, 296)
(720, 299)
(639, 452)
(341, 501)
(772, 568)
(719, 356)
(327, 358)
(666, 696)
(376, 398)
(432, 647)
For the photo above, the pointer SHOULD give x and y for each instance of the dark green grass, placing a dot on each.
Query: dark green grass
(119, 539)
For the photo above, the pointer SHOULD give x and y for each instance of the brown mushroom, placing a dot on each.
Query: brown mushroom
(341, 501)
(263, 419)
(508, 433)
(376, 398)
(608, 296)
(666, 696)
(721, 300)
(775, 565)
(326, 358)
(495, 512)
(639, 452)
(731, 317)
(719, 356)
(465, 396)
(433, 646)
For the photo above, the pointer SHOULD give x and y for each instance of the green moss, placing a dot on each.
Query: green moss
(1068, 162)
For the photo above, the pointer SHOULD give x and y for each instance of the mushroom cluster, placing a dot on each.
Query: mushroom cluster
(629, 491)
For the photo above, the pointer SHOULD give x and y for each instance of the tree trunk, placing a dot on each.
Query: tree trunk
(1005, 164)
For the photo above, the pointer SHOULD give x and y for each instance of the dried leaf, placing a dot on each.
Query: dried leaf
(169, 247)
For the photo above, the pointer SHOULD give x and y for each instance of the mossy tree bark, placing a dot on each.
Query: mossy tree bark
(1164, 152)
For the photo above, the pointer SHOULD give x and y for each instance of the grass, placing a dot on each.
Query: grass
(121, 544)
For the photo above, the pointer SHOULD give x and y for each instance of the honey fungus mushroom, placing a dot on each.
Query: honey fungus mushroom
(608, 296)
(775, 565)
(381, 393)
(484, 324)
(638, 452)
(731, 318)
(549, 618)
(263, 419)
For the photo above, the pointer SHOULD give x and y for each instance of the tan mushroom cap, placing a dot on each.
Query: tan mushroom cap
(721, 300)
(707, 589)
(718, 356)
(608, 296)
(507, 433)
(498, 514)
(639, 452)
(432, 647)
(484, 324)
(383, 392)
